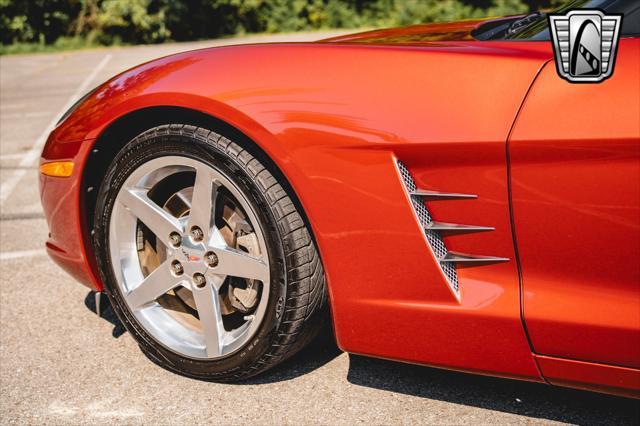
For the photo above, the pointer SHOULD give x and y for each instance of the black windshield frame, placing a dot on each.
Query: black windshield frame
(538, 30)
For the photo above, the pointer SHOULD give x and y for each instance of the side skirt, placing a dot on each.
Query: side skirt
(605, 378)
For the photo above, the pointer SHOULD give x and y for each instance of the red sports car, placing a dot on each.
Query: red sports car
(438, 192)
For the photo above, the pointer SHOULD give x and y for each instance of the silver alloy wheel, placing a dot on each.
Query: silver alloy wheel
(195, 256)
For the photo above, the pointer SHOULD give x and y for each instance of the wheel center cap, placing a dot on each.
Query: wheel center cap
(192, 252)
(192, 258)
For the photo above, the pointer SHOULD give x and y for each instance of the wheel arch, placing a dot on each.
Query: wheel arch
(119, 132)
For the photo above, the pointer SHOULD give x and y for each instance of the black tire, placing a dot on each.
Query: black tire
(296, 306)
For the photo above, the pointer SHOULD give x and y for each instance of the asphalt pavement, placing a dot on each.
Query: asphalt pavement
(62, 364)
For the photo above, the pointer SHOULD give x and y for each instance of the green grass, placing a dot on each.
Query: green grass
(62, 44)
(78, 43)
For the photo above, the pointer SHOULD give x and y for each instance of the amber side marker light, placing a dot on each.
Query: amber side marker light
(57, 168)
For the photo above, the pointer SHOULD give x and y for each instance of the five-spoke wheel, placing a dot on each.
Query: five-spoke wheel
(197, 246)
(204, 255)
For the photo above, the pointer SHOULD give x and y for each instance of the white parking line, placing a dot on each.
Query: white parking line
(11, 106)
(34, 114)
(32, 155)
(16, 155)
(8, 255)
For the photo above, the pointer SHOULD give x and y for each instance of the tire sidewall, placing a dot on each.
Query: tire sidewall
(148, 146)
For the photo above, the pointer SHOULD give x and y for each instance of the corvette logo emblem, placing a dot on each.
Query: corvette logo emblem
(585, 44)
(188, 256)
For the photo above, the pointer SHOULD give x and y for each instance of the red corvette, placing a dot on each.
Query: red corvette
(438, 191)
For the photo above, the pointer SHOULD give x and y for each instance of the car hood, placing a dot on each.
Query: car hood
(414, 34)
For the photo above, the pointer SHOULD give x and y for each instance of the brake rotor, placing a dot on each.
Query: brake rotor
(241, 294)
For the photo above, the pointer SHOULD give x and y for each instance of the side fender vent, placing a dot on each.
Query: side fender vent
(434, 230)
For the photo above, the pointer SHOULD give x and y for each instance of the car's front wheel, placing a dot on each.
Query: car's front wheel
(205, 258)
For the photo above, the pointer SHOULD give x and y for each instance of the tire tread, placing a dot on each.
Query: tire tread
(305, 307)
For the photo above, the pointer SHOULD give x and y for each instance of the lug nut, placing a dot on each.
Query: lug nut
(211, 259)
(197, 234)
(199, 280)
(175, 239)
(176, 268)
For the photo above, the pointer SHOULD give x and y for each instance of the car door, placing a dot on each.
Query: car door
(575, 182)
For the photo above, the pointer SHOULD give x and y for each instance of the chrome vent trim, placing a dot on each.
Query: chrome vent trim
(435, 230)
(473, 259)
(427, 195)
(456, 228)
(433, 237)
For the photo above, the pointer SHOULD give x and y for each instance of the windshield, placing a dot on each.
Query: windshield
(536, 25)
